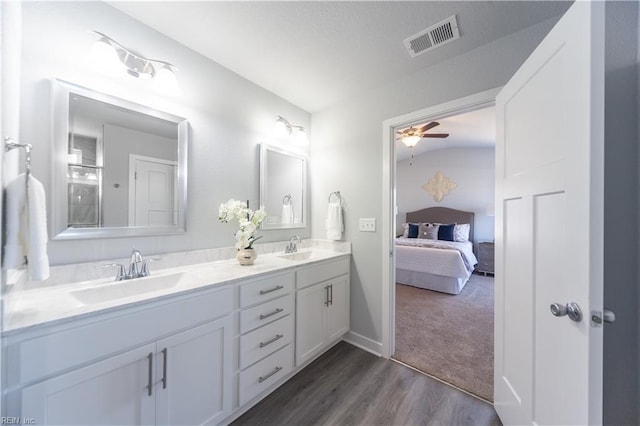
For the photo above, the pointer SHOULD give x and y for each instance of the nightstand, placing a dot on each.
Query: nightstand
(485, 257)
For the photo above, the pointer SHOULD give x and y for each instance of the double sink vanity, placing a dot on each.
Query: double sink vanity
(191, 344)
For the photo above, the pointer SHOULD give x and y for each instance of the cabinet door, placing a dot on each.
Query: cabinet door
(337, 312)
(110, 392)
(193, 375)
(310, 334)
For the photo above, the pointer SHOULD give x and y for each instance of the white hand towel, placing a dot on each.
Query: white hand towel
(334, 225)
(287, 213)
(27, 228)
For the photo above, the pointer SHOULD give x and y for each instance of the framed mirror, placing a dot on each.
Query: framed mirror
(283, 188)
(119, 168)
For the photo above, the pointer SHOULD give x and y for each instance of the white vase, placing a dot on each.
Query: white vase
(246, 256)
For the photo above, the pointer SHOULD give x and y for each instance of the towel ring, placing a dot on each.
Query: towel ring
(286, 200)
(337, 194)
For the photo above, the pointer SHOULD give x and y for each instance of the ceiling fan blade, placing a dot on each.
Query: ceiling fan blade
(428, 126)
(435, 135)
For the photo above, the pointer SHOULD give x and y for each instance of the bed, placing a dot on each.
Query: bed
(443, 266)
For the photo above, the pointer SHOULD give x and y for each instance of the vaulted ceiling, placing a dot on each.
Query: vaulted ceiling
(317, 53)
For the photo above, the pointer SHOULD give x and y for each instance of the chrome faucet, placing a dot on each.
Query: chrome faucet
(293, 245)
(137, 267)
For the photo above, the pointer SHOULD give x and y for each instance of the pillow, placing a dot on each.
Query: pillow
(445, 232)
(405, 227)
(413, 230)
(461, 232)
(428, 231)
(422, 229)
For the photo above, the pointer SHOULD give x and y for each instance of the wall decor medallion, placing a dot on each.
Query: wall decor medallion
(439, 186)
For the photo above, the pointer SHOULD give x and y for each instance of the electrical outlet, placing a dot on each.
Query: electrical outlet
(367, 224)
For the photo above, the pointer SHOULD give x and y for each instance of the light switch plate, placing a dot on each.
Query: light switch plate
(368, 224)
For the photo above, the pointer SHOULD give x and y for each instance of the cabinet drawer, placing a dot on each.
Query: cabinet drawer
(265, 313)
(260, 376)
(316, 274)
(265, 289)
(265, 340)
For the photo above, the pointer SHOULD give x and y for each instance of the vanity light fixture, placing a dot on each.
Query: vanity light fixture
(283, 128)
(108, 53)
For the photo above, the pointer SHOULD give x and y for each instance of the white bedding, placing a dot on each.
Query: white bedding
(453, 261)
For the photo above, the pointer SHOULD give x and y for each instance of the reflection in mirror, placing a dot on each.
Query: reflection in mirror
(283, 183)
(119, 167)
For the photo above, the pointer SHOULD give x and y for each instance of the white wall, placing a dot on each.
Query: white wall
(346, 154)
(229, 116)
(472, 169)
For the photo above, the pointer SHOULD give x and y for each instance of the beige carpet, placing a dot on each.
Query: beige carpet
(449, 336)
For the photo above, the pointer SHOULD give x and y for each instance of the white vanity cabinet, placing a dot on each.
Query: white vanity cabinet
(183, 378)
(322, 308)
(200, 357)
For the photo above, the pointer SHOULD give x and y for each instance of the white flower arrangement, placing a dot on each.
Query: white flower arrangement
(248, 220)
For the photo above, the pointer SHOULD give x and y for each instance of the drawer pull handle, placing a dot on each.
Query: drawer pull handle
(276, 288)
(275, 339)
(277, 311)
(150, 382)
(262, 379)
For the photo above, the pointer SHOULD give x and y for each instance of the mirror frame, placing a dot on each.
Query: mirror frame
(60, 91)
(264, 149)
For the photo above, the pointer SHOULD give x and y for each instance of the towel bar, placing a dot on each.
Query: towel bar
(10, 144)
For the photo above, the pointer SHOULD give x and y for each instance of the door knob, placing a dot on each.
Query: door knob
(571, 309)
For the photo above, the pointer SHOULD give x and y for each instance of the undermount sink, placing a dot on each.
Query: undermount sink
(303, 255)
(126, 288)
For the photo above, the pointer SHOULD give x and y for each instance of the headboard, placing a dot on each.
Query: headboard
(442, 215)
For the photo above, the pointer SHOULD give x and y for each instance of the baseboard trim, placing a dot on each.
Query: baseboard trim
(363, 343)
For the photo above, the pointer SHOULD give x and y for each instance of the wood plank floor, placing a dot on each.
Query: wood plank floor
(349, 386)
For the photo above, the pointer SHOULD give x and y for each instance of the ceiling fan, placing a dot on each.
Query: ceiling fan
(412, 135)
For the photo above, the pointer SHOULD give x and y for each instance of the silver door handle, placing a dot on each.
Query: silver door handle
(571, 309)
(150, 372)
(599, 317)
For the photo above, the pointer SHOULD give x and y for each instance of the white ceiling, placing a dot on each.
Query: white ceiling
(317, 53)
(474, 129)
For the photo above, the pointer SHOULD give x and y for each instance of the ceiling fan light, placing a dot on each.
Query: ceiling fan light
(411, 141)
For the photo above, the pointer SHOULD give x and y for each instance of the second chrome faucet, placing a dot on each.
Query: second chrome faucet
(292, 247)
(137, 267)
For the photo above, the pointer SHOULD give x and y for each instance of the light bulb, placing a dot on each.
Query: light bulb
(300, 137)
(166, 82)
(281, 128)
(104, 57)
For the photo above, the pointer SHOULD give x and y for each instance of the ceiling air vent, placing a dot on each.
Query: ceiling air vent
(435, 36)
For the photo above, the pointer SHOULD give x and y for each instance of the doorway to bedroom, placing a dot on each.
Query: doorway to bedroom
(444, 229)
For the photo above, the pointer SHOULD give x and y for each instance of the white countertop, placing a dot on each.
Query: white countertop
(29, 308)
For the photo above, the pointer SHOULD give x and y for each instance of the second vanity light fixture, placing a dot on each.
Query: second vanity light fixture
(112, 54)
(283, 128)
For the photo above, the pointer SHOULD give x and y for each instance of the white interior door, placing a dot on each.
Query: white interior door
(549, 207)
(154, 199)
